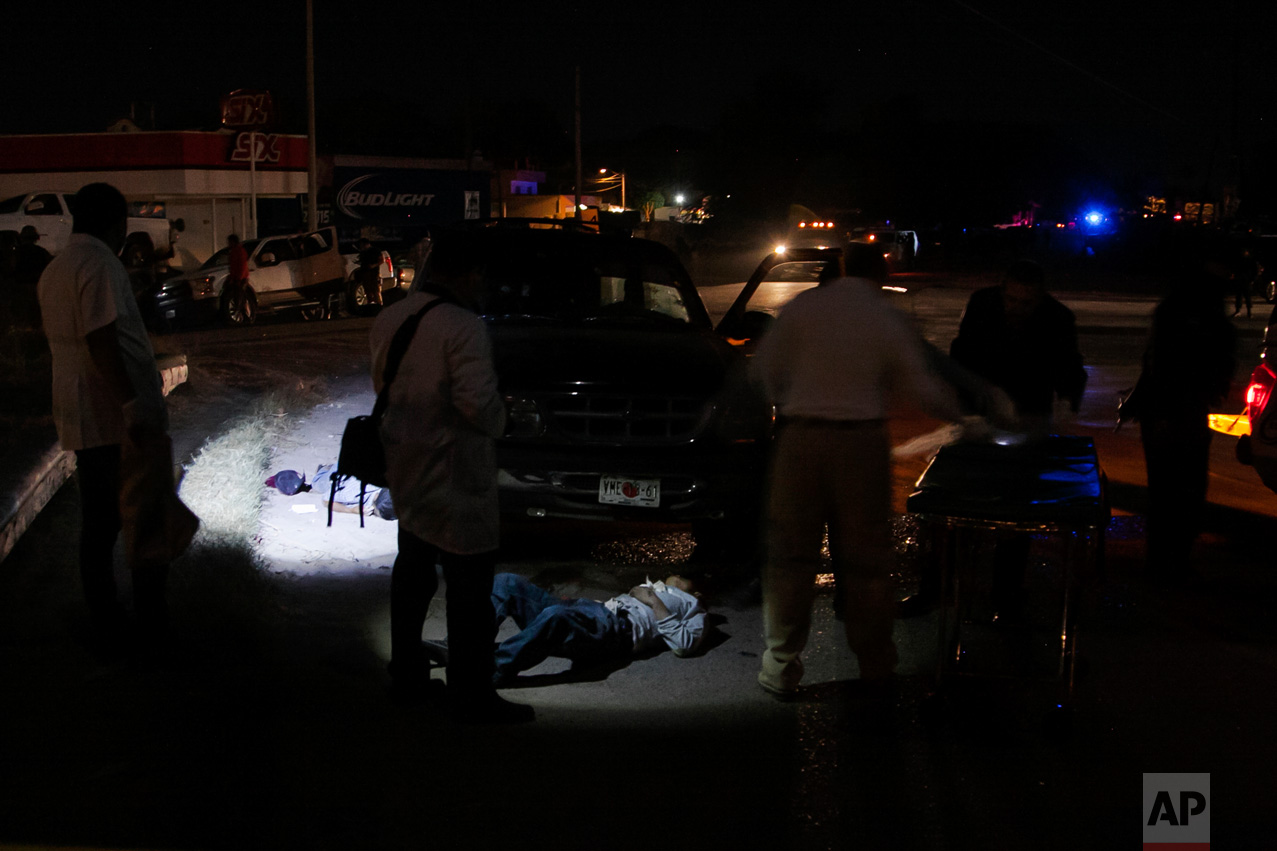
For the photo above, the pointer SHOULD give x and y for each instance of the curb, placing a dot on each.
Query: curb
(54, 466)
(33, 493)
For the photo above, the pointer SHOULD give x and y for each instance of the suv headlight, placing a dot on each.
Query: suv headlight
(523, 418)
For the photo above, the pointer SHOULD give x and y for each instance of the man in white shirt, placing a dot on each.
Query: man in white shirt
(108, 407)
(833, 360)
(653, 614)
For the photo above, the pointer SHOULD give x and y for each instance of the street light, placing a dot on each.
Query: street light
(617, 176)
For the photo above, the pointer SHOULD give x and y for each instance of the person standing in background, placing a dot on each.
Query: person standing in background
(369, 272)
(1188, 368)
(1021, 339)
(239, 304)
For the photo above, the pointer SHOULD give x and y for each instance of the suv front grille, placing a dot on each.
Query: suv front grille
(652, 420)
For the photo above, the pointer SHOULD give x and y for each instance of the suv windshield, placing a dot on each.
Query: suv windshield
(12, 205)
(574, 278)
(611, 292)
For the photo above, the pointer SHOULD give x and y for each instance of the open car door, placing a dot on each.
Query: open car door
(778, 278)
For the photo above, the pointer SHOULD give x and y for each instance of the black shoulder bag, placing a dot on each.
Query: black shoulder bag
(363, 456)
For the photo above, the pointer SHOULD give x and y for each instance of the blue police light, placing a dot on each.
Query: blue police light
(1094, 218)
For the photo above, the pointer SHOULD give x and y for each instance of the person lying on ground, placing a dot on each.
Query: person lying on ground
(651, 614)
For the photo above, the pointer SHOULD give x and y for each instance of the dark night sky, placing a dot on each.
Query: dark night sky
(1125, 82)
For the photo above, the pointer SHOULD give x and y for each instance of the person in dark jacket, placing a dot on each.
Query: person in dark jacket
(1024, 341)
(1188, 368)
(1020, 338)
(369, 272)
(1245, 270)
(29, 260)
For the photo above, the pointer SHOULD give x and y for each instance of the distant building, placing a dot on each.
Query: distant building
(401, 198)
(206, 179)
(202, 178)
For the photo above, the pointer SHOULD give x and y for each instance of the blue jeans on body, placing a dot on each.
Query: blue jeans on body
(576, 629)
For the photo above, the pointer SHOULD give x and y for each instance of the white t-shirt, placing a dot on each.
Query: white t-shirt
(84, 288)
(681, 630)
(840, 352)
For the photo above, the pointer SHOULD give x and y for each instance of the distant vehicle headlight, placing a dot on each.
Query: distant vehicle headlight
(523, 418)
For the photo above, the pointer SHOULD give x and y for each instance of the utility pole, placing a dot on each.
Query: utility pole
(312, 167)
(252, 184)
(577, 136)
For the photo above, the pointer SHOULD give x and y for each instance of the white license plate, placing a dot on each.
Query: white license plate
(618, 490)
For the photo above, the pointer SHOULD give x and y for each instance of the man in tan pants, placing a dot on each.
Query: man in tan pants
(831, 363)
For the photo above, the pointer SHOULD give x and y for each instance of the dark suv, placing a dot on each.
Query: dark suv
(623, 402)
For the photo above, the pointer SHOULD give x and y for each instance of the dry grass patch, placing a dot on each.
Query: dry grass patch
(221, 579)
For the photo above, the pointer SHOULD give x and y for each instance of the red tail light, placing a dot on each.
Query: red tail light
(1260, 389)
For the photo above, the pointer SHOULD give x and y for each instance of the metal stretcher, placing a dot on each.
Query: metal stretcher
(971, 493)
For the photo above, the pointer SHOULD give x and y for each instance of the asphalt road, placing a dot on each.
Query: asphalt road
(276, 731)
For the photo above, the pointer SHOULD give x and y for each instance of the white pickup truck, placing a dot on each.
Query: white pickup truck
(51, 213)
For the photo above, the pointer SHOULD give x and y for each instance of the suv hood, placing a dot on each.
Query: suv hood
(197, 274)
(676, 360)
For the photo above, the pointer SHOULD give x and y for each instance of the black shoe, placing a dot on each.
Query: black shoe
(491, 709)
(418, 692)
(414, 687)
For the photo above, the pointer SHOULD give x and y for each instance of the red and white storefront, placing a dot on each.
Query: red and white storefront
(203, 178)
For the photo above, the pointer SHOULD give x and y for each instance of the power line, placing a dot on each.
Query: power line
(1067, 62)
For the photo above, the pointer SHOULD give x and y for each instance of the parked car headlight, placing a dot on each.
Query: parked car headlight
(523, 418)
(204, 287)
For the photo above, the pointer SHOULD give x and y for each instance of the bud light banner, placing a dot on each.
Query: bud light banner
(408, 196)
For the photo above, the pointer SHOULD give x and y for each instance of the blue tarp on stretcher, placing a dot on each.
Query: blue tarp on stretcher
(1056, 479)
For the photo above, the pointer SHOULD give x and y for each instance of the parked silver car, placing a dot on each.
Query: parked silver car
(302, 271)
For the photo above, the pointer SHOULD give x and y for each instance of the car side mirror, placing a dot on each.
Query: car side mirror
(266, 259)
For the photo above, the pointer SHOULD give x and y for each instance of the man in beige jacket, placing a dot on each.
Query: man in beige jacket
(444, 412)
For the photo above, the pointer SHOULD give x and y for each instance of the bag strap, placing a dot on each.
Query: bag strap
(332, 497)
(398, 348)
